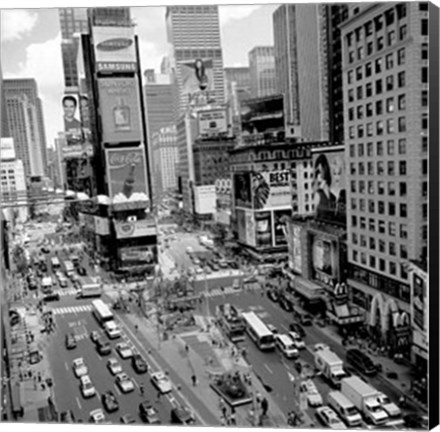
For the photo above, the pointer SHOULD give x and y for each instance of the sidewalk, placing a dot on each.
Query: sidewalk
(205, 360)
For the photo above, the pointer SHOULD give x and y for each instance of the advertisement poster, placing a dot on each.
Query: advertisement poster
(135, 229)
(322, 256)
(329, 184)
(213, 122)
(197, 80)
(271, 189)
(242, 189)
(71, 119)
(241, 226)
(279, 226)
(250, 229)
(205, 199)
(120, 110)
(263, 229)
(127, 176)
(114, 49)
(138, 255)
(102, 225)
(419, 301)
(295, 236)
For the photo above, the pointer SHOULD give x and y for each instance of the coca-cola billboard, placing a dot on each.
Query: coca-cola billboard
(127, 177)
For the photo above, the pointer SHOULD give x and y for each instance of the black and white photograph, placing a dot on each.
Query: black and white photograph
(219, 215)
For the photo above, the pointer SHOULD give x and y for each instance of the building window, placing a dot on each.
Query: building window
(381, 207)
(378, 23)
(390, 168)
(372, 261)
(361, 168)
(379, 127)
(391, 37)
(402, 167)
(361, 205)
(361, 186)
(350, 114)
(389, 83)
(360, 150)
(424, 121)
(424, 166)
(381, 245)
(402, 32)
(371, 225)
(369, 129)
(352, 150)
(354, 238)
(369, 109)
(369, 90)
(424, 144)
(401, 79)
(401, 102)
(353, 186)
(379, 43)
(391, 209)
(392, 249)
(390, 105)
(353, 204)
(363, 223)
(390, 126)
(370, 149)
(379, 148)
(379, 107)
(424, 75)
(403, 211)
(360, 53)
(393, 268)
(359, 73)
(350, 95)
(351, 132)
(370, 182)
(424, 51)
(402, 189)
(369, 48)
(359, 93)
(378, 86)
(378, 64)
(401, 57)
(423, 6)
(389, 17)
(424, 98)
(403, 251)
(424, 27)
(389, 63)
(351, 57)
(402, 146)
(402, 124)
(380, 186)
(390, 147)
(359, 112)
(403, 231)
(391, 188)
(350, 75)
(381, 227)
(392, 228)
(368, 69)
(355, 256)
(360, 131)
(381, 264)
(354, 221)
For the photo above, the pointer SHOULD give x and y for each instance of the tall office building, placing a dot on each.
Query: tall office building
(4, 118)
(72, 21)
(194, 34)
(385, 63)
(28, 87)
(238, 83)
(308, 69)
(262, 71)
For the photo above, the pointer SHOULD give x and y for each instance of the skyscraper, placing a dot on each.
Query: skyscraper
(194, 34)
(262, 71)
(4, 117)
(28, 87)
(385, 63)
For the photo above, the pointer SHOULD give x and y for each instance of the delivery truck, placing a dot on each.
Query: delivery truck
(330, 366)
(365, 399)
(89, 287)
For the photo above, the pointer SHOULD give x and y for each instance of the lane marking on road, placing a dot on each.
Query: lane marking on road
(117, 390)
(66, 366)
(97, 394)
(78, 402)
(268, 368)
(285, 328)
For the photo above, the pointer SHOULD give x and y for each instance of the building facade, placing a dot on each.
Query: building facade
(385, 63)
(196, 56)
(262, 71)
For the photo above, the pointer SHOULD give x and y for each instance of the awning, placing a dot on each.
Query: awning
(306, 288)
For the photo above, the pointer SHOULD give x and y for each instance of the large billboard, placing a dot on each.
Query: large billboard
(419, 300)
(114, 49)
(295, 256)
(330, 184)
(205, 199)
(213, 122)
(250, 228)
(120, 110)
(72, 122)
(134, 229)
(280, 218)
(242, 190)
(138, 255)
(197, 80)
(263, 229)
(324, 260)
(271, 190)
(127, 176)
(241, 225)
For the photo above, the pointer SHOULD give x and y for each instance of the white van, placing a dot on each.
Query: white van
(344, 408)
(112, 329)
(286, 345)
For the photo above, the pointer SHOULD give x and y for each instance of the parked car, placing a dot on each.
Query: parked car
(314, 398)
(81, 271)
(97, 416)
(103, 347)
(124, 350)
(67, 417)
(127, 419)
(87, 388)
(139, 364)
(161, 381)
(182, 415)
(148, 413)
(297, 329)
(52, 296)
(361, 361)
(109, 401)
(113, 366)
(70, 341)
(329, 418)
(79, 367)
(94, 336)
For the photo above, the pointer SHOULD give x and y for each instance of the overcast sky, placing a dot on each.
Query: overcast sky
(31, 45)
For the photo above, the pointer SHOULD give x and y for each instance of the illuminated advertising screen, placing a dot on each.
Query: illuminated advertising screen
(323, 260)
(419, 301)
(329, 184)
(114, 49)
(250, 229)
(295, 239)
(279, 226)
(197, 80)
(242, 190)
(71, 119)
(271, 190)
(127, 176)
(213, 122)
(263, 229)
(120, 110)
(138, 228)
(138, 255)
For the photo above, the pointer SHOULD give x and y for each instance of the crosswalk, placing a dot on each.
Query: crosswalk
(71, 309)
(67, 292)
(218, 292)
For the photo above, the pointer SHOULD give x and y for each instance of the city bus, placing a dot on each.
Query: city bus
(101, 312)
(231, 322)
(259, 332)
(55, 263)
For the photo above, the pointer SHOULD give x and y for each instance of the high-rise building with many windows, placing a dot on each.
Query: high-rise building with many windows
(262, 71)
(194, 34)
(385, 64)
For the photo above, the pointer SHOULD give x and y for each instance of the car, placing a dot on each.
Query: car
(182, 415)
(161, 381)
(272, 328)
(94, 336)
(14, 317)
(67, 417)
(127, 419)
(148, 413)
(314, 398)
(103, 347)
(139, 364)
(297, 341)
(79, 367)
(124, 382)
(113, 366)
(87, 388)
(81, 271)
(51, 296)
(199, 271)
(70, 341)
(109, 401)
(320, 347)
(297, 329)
(305, 319)
(45, 250)
(97, 416)
(124, 350)
(329, 418)
(63, 282)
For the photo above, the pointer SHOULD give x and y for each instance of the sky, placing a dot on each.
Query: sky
(31, 45)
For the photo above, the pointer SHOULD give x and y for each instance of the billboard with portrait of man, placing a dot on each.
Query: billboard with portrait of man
(71, 119)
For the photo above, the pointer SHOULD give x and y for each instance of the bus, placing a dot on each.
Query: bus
(101, 312)
(259, 332)
(70, 269)
(231, 322)
(55, 263)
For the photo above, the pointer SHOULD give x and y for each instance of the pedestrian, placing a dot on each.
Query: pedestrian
(258, 397)
(264, 407)
(39, 377)
(194, 380)
(136, 328)
(187, 348)
(223, 408)
(232, 420)
(159, 394)
(141, 388)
